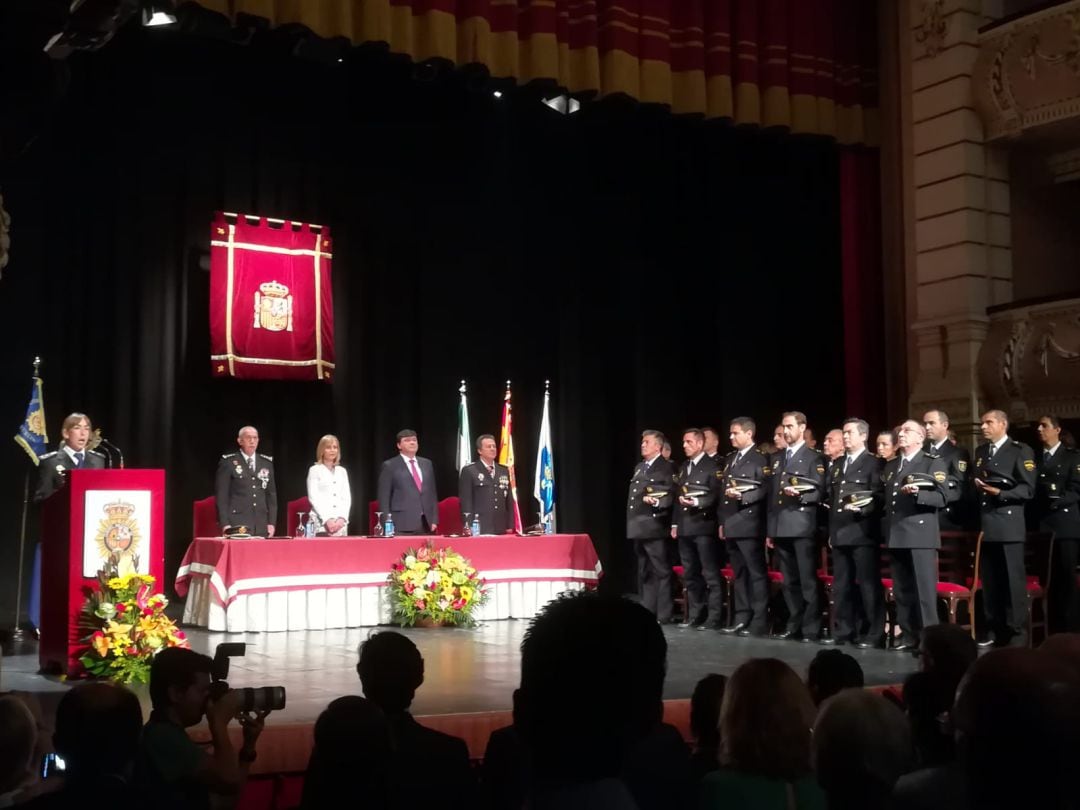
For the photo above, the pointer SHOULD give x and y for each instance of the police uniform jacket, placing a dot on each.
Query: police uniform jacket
(847, 527)
(912, 520)
(488, 496)
(1003, 515)
(795, 515)
(1057, 494)
(958, 493)
(745, 517)
(643, 521)
(54, 467)
(693, 521)
(244, 497)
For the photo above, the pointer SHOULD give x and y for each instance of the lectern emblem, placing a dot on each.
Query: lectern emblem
(273, 307)
(118, 532)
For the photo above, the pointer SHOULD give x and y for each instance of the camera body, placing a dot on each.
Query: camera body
(252, 698)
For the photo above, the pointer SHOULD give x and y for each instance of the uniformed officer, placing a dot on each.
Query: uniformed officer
(1001, 508)
(484, 490)
(796, 487)
(245, 488)
(915, 484)
(648, 523)
(1057, 506)
(693, 523)
(855, 498)
(742, 519)
(73, 455)
(956, 516)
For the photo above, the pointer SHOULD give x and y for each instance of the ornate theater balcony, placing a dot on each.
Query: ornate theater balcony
(1027, 78)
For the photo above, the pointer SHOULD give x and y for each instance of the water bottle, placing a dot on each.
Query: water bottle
(548, 528)
(388, 527)
(475, 526)
(309, 527)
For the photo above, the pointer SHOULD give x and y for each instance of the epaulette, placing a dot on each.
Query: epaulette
(931, 454)
(760, 452)
(96, 453)
(48, 455)
(1015, 443)
(226, 455)
(268, 458)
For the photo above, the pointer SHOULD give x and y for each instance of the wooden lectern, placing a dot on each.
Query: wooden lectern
(97, 512)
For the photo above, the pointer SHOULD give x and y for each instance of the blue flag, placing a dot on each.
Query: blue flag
(544, 491)
(32, 435)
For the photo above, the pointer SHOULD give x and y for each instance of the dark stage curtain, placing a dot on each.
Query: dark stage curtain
(661, 271)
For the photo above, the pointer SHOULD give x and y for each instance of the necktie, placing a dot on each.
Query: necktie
(787, 459)
(415, 473)
(1047, 456)
(491, 471)
(847, 460)
(993, 450)
(251, 463)
(898, 469)
(78, 459)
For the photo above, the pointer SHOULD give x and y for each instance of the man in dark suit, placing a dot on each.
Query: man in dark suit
(648, 523)
(1057, 507)
(742, 525)
(484, 490)
(797, 484)
(956, 516)
(912, 535)
(72, 455)
(855, 495)
(407, 488)
(245, 488)
(1005, 481)
(693, 524)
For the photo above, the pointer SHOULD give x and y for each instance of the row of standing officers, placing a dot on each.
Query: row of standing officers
(753, 501)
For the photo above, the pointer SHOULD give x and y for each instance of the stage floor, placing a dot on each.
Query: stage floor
(468, 671)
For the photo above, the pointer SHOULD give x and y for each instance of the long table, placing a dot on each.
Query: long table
(254, 585)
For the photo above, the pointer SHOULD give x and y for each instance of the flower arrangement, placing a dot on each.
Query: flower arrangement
(126, 626)
(436, 586)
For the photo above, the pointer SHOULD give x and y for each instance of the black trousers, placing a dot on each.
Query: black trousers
(699, 555)
(915, 578)
(1064, 604)
(750, 582)
(857, 574)
(798, 564)
(1004, 586)
(654, 576)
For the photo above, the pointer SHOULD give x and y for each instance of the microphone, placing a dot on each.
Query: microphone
(112, 446)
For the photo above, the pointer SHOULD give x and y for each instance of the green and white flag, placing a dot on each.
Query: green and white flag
(464, 445)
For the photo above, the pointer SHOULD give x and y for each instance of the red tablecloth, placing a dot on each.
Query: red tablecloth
(236, 567)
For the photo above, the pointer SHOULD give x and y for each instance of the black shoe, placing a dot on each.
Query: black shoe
(710, 626)
(808, 639)
(832, 641)
(684, 625)
(871, 644)
(905, 645)
(735, 630)
(990, 641)
(788, 635)
(756, 632)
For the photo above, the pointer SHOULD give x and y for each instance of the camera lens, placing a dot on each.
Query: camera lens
(262, 698)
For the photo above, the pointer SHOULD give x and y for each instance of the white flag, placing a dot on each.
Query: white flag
(544, 490)
(464, 446)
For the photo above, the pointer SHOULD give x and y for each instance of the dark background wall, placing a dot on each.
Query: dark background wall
(660, 271)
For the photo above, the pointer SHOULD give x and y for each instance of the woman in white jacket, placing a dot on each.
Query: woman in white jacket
(328, 489)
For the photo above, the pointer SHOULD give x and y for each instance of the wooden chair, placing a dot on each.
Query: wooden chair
(292, 522)
(958, 574)
(887, 594)
(204, 518)
(1038, 565)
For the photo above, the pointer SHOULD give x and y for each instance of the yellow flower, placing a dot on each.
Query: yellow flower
(466, 593)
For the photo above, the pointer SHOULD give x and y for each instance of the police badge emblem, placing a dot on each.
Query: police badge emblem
(273, 307)
(264, 476)
(118, 534)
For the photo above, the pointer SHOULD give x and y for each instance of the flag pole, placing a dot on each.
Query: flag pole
(17, 635)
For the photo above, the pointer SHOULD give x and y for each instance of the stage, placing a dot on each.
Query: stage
(471, 676)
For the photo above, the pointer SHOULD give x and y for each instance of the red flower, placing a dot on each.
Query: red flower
(458, 605)
(180, 635)
(397, 567)
(98, 634)
(120, 607)
(409, 587)
(419, 604)
(130, 651)
(148, 612)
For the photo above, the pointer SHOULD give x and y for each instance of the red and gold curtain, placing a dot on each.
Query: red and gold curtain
(271, 305)
(808, 65)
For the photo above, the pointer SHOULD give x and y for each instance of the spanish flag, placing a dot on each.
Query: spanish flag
(506, 454)
(32, 436)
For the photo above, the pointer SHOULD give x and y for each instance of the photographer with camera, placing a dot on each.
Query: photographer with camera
(170, 766)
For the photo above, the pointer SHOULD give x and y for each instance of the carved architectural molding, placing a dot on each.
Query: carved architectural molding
(933, 27)
(1028, 71)
(1030, 361)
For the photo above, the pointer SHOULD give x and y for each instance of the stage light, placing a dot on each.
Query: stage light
(497, 93)
(558, 104)
(158, 12)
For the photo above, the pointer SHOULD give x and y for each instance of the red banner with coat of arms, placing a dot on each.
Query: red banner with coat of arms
(271, 305)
